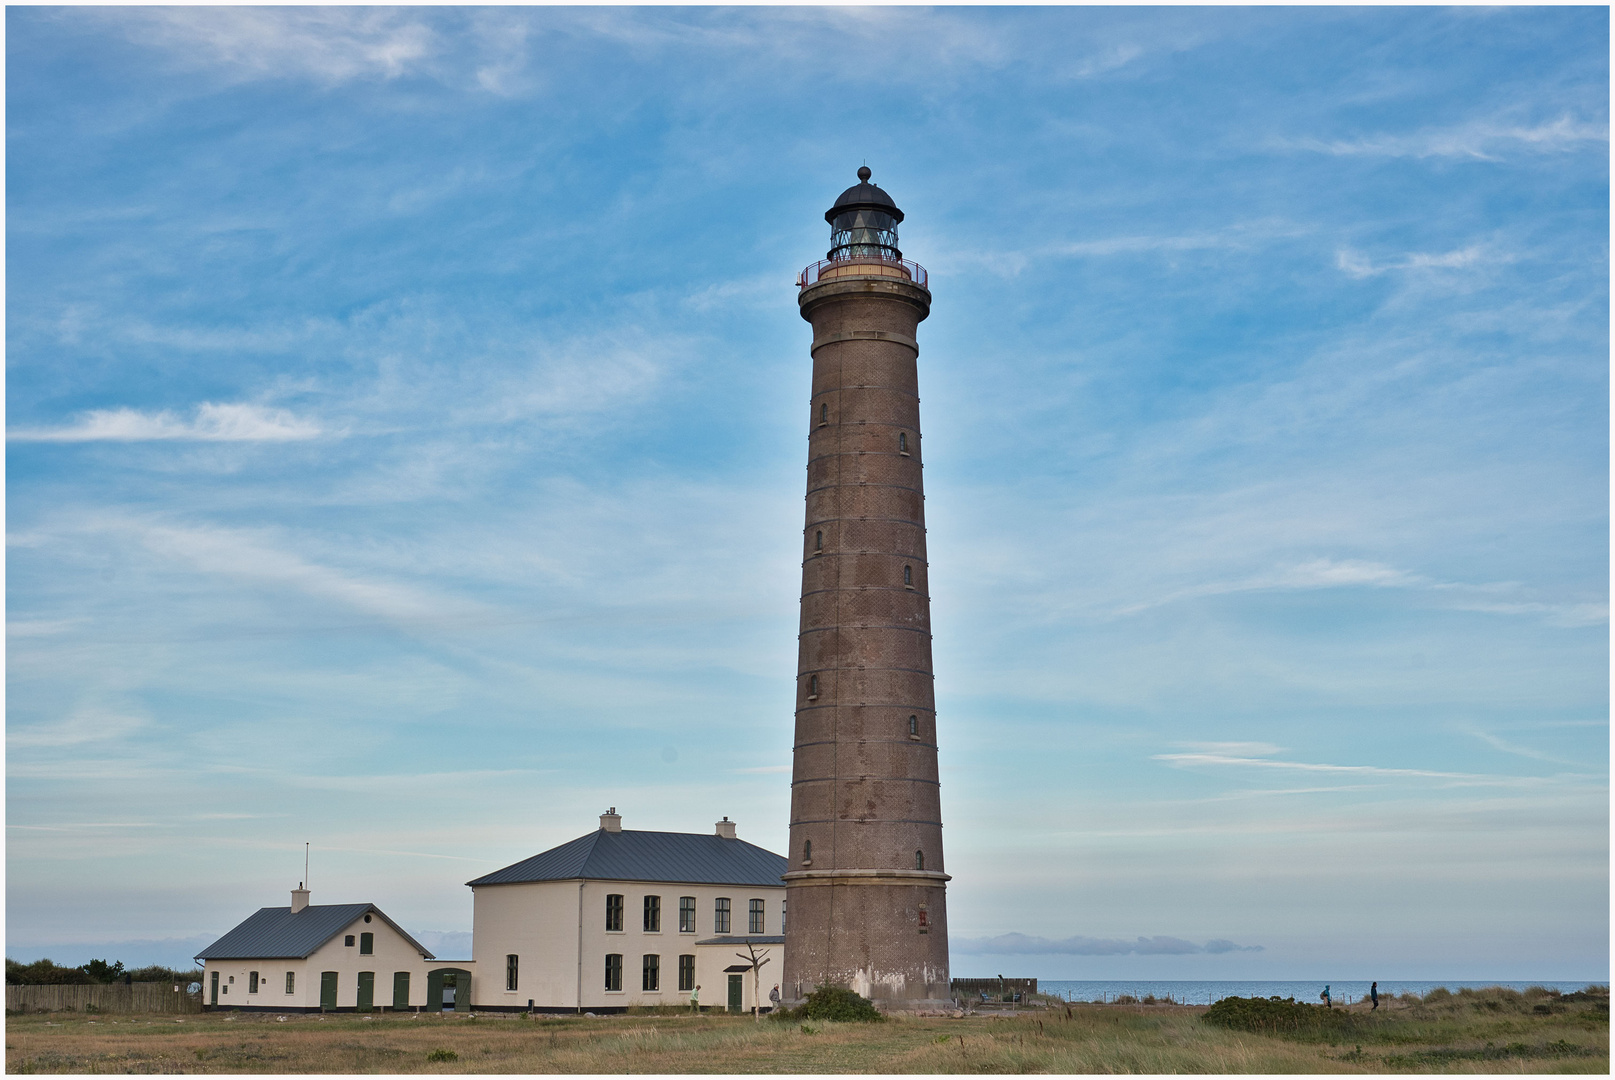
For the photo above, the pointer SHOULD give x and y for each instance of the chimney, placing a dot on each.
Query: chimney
(299, 898)
(611, 821)
(726, 828)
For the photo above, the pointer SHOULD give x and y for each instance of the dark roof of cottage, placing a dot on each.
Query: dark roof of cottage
(634, 855)
(277, 933)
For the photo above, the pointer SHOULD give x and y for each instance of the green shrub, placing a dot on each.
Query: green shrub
(839, 1003)
(1276, 1016)
(442, 1054)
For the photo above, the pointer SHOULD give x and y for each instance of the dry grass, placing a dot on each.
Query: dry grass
(1451, 1036)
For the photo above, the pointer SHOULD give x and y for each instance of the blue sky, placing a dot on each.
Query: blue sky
(406, 416)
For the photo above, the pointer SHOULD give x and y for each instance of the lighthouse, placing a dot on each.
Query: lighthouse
(866, 887)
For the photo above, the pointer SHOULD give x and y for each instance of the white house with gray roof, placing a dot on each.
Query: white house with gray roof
(622, 917)
(330, 957)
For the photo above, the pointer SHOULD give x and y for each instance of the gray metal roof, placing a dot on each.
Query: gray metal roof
(275, 933)
(634, 855)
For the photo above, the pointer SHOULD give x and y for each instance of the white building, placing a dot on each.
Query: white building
(325, 957)
(622, 917)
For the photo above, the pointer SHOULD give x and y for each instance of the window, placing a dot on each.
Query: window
(653, 914)
(925, 921)
(510, 971)
(367, 918)
(614, 912)
(919, 860)
(348, 941)
(902, 442)
(650, 972)
(686, 914)
(613, 972)
(807, 852)
(908, 575)
(687, 972)
(914, 726)
(291, 982)
(252, 982)
(367, 944)
(813, 687)
(754, 917)
(782, 916)
(824, 414)
(818, 540)
(720, 915)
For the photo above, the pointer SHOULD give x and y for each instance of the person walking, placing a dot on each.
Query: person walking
(773, 998)
(1328, 1002)
(695, 999)
(1373, 994)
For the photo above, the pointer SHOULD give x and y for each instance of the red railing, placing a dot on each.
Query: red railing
(811, 275)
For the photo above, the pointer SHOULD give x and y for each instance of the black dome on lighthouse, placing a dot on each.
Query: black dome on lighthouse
(863, 195)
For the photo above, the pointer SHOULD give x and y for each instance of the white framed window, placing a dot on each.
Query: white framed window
(686, 914)
(720, 915)
(653, 914)
(614, 913)
(754, 917)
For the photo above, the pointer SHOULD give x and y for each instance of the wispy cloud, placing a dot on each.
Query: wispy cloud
(1359, 265)
(331, 45)
(1487, 140)
(1226, 760)
(1313, 574)
(212, 423)
(88, 725)
(1027, 945)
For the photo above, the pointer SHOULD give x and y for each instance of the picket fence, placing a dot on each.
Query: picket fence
(141, 997)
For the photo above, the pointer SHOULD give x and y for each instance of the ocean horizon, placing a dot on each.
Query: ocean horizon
(1342, 991)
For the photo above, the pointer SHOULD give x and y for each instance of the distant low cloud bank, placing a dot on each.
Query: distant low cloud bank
(1024, 945)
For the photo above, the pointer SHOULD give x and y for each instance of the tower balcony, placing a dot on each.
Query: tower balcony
(862, 266)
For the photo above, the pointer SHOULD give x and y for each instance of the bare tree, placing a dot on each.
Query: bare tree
(757, 960)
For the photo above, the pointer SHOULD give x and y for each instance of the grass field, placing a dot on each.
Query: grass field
(1494, 1031)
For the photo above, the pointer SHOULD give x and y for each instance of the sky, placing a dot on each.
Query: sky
(406, 420)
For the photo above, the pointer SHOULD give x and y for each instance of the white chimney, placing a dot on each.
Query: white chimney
(726, 828)
(299, 898)
(611, 821)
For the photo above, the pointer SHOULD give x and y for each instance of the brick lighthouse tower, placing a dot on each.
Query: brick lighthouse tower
(866, 889)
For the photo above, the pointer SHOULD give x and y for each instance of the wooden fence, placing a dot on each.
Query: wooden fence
(995, 989)
(143, 997)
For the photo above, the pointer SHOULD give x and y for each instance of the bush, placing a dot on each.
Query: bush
(442, 1054)
(1275, 1015)
(839, 1003)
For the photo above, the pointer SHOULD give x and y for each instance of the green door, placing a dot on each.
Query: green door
(327, 991)
(736, 994)
(400, 990)
(367, 992)
(215, 989)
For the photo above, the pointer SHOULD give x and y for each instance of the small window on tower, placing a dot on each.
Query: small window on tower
(813, 688)
(902, 442)
(824, 415)
(908, 576)
(919, 860)
(914, 727)
(818, 540)
(807, 853)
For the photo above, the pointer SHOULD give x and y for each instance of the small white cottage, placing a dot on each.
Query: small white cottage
(325, 958)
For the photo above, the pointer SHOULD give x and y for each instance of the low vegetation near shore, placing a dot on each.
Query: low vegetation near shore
(1470, 1031)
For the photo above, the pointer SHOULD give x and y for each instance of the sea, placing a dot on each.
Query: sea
(1204, 992)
